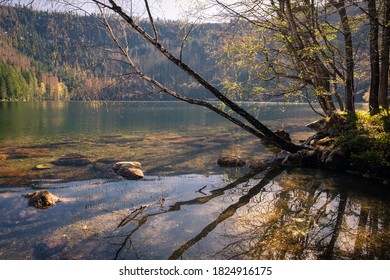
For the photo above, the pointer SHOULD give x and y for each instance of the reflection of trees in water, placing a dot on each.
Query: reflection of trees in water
(306, 219)
(140, 219)
(369, 226)
(294, 216)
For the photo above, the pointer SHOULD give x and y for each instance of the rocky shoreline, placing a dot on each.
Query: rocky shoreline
(325, 150)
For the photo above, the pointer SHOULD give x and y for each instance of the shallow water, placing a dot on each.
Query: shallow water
(186, 207)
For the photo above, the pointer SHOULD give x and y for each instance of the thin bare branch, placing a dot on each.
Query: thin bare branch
(183, 42)
(151, 20)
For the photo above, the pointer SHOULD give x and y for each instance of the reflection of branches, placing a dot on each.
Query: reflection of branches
(228, 212)
(329, 252)
(323, 217)
(293, 224)
(363, 218)
(134, 215)
(214, 193)
(127, 240)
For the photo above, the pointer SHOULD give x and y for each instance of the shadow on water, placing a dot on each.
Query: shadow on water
(42, 252)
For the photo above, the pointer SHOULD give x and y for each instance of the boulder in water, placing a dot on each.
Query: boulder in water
(42, 199)
(130, 170)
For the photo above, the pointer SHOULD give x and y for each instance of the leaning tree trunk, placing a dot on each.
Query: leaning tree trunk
(270, 136)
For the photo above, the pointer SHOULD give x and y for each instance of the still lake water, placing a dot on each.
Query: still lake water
(186, 207)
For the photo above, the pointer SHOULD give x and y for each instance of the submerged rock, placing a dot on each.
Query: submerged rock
(130, 170)
(72, 160)
(44, 166)
(42, 199)
(101, 167)
(110, 161)
(230, 161)
(17, 156)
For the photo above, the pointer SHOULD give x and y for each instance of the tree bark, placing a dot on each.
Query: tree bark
(349, 61)
(374, 57)
(384, 75)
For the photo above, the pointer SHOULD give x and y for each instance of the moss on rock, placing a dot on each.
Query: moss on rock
(362, 139)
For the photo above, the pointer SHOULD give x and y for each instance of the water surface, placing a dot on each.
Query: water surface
(186, 207)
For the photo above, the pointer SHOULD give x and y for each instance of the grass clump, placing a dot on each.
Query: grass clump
(366, 139)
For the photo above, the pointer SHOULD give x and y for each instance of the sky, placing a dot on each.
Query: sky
(165, 9)
(171, 9)
(178, 9)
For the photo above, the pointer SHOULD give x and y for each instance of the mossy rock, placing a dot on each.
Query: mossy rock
(42, 199)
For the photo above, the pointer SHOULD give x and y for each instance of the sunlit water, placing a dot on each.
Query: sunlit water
(186, 207)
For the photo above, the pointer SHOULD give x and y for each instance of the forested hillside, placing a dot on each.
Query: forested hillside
(53, 56)
(46, 55)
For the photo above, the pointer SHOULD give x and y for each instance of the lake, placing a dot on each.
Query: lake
(186, 206)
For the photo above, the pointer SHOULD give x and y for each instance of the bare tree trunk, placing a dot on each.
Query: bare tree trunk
(349, 61)
(384, 75)
(336, 93)
(374, 57)
(321, 80)
(257, 125)
(326, 85)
